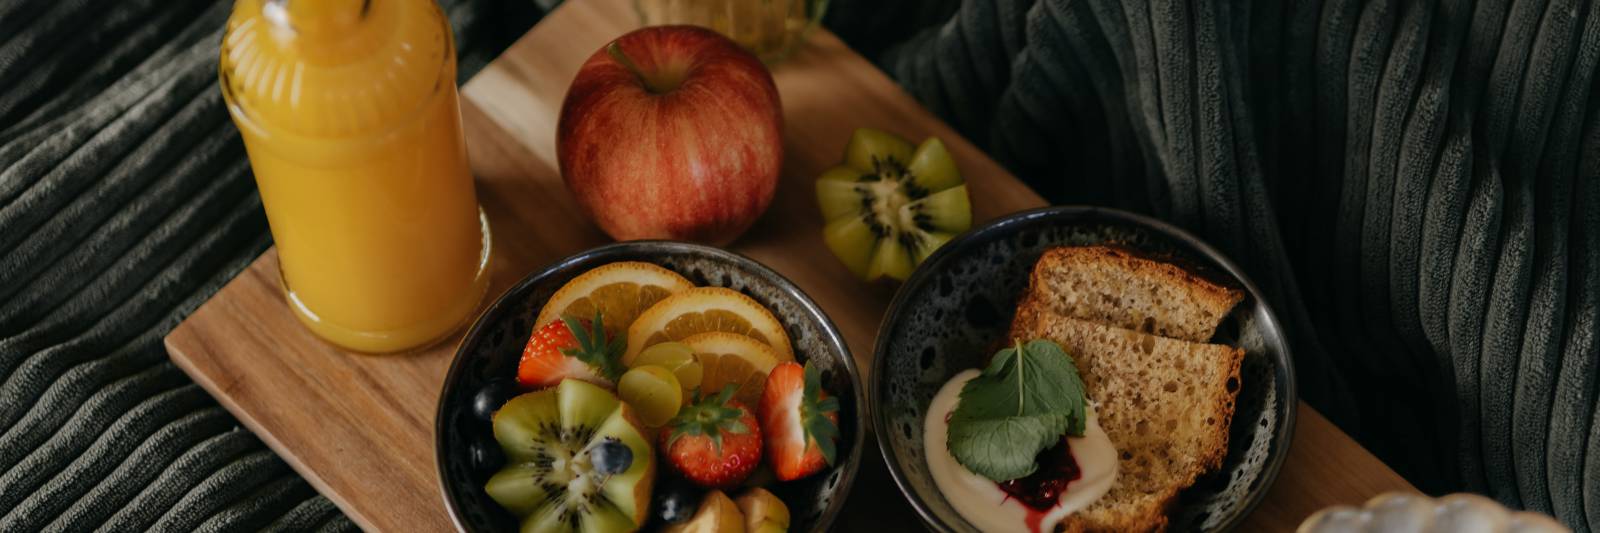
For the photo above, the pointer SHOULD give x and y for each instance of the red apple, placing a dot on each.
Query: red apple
(672, 132)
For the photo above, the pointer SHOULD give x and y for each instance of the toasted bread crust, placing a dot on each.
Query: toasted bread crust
(1116, 286)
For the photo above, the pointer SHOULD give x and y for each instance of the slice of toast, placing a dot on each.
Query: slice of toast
(1165, 403)
(1114, 286)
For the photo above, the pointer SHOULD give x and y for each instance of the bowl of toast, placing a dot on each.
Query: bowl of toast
(1081, 369)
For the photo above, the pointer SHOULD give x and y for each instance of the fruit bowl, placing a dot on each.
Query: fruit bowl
(948, 316)
(465, 449)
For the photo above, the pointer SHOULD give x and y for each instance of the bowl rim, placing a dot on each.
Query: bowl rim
(880, 424)
(639, 248)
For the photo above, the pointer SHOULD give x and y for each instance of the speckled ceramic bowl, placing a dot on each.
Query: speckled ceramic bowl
(948, 316)
(487, 359)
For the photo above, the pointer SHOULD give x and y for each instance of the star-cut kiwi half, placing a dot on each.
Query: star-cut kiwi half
(551, 481)
(890, 204)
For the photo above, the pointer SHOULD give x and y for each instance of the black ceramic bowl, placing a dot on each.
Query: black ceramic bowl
(486, 361)
(947, 317)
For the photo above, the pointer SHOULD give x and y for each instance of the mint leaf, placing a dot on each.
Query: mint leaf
(1028, 380)
(993, 447)
(1025, 401)
(1058, 368)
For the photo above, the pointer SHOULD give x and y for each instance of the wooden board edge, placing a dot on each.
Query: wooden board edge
(175, 342)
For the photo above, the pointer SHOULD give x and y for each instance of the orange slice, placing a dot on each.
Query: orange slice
(733, 359)
(704, 310)
(620, 291)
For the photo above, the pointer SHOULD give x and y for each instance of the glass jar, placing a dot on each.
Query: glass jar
(772, 29)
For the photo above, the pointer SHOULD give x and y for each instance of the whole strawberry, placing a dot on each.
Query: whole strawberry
(799, 420)
(570, 348)
(715, 442)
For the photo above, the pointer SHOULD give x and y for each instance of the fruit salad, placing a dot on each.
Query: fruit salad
(649, 403)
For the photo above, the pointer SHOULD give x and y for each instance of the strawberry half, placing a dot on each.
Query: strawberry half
(713, 442)
(570, 348)
(800, 421)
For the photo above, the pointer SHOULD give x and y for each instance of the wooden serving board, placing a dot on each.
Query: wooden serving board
(360, 428)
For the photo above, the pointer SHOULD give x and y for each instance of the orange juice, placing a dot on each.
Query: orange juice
(349, 113)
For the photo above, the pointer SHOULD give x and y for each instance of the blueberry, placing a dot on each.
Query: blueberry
(611, 457)
(493, 395)
(485, 456)
(676, 500)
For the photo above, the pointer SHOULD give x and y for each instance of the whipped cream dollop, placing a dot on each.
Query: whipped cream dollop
(982, 502)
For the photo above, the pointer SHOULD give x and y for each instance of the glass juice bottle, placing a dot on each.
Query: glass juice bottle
(349, 113)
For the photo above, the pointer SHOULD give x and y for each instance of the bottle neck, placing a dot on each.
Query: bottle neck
(329, 32)
(317, 18)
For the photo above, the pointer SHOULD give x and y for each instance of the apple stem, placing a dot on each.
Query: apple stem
(616, 53)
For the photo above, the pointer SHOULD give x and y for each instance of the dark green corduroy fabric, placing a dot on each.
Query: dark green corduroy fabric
(125, 202)
(1413, 184)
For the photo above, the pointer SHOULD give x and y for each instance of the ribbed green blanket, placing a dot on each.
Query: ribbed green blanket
(1414, 184)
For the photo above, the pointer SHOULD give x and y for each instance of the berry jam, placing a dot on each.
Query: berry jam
(1042, 489)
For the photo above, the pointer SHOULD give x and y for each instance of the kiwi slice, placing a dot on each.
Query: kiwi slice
(550, 481)
(890, 205)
